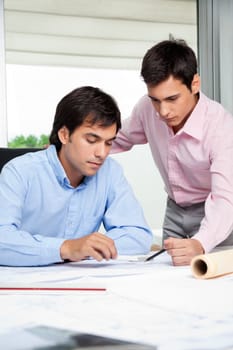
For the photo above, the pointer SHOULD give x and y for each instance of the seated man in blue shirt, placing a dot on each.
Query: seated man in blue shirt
(52, 202)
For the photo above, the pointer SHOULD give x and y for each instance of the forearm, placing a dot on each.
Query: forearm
(132, 133)
(121, 143)
(20, 248)
(131, 240)
(217, 224)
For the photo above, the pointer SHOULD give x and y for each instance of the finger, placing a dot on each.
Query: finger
(106, 251)
(172, 242)
(181, 260)
(105, 245)
(177, 252)
(113, 250)
(95, 254)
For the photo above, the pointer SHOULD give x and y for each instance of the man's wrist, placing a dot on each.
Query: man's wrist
(64, 250)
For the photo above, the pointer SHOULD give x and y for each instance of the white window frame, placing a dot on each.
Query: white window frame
(3, 103)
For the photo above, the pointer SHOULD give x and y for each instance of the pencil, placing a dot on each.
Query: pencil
(155, 254)
(82, 289)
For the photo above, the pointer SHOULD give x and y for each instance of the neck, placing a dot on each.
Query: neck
(180, 126)
(72, 174)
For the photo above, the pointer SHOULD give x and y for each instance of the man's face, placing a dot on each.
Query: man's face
(84, 151)
(174, 101)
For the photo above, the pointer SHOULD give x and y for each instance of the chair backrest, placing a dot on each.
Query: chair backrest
(7, 154)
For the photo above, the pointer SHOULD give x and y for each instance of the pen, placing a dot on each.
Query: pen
(155, 254)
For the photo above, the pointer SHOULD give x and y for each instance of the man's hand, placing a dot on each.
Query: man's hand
(182, 250)
(95, 245)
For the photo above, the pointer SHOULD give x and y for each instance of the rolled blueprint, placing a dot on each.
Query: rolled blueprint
(212, 264)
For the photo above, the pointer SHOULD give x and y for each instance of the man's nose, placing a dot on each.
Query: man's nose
(101, 150)
(164, 110)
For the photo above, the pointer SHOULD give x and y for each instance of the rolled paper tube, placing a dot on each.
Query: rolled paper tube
(212, 264)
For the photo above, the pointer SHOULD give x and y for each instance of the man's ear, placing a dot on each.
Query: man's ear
(196, 83)
(63, 135)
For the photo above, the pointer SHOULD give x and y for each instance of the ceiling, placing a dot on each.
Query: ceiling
(94, 33)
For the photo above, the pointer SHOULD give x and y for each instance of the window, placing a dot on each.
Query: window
(55, 46)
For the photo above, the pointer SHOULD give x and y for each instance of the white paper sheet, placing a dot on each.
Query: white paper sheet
(151, 302)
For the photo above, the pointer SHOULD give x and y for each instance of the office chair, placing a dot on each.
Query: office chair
(7, 154)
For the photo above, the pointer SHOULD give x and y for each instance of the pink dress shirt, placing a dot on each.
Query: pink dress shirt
(196, 163)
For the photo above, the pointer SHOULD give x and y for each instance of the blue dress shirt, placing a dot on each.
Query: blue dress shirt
(39, 210)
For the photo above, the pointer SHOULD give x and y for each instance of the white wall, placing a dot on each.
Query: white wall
(145, 179)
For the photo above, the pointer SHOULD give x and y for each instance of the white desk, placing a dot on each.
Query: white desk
(151, 302)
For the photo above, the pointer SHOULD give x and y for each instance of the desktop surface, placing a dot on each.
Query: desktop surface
(151, 303)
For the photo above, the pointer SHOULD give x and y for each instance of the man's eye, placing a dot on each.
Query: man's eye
(109, 143)
(173, 98)
(154, 100)
(91, 140)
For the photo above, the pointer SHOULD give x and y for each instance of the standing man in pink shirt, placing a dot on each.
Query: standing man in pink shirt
(191, 140)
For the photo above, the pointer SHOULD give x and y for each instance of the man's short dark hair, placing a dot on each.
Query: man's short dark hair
(169, 58)
(86, 103)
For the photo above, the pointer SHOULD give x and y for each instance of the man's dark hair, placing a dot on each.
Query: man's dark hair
(169, 58)
(84, 104)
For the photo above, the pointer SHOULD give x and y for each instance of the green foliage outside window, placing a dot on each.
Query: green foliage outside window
(30, 141)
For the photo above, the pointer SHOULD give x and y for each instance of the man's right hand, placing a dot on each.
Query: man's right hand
(95, 245)
(182, 250)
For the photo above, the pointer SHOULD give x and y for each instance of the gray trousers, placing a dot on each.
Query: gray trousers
(181, 222)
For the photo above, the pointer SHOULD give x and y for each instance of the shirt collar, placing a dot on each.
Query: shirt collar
(59, 170)
(56, 165)
(194, 125)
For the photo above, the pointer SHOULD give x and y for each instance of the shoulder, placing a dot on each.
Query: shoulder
(25, 171)
(143, 112)
(28, 163)
(144, 103)
(217, 125)
(215, 110)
